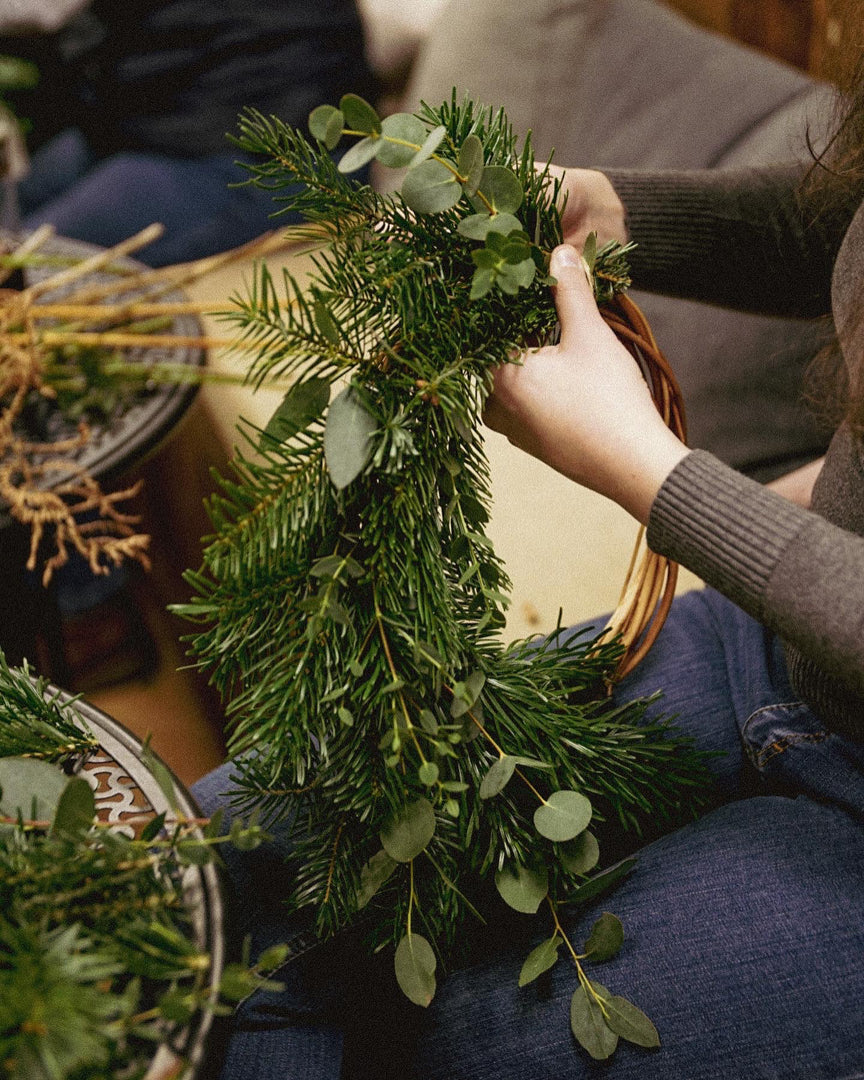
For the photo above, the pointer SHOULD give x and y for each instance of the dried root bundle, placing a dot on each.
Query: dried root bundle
(49, 333)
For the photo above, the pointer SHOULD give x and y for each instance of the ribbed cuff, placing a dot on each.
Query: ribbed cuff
(727, 529)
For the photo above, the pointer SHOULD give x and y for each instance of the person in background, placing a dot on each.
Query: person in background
(128, 121)
(744, 928)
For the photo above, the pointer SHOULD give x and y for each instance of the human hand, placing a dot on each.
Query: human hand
(582, 406)
(592, 206)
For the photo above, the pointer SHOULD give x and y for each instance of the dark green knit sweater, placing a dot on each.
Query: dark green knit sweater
(745, 240)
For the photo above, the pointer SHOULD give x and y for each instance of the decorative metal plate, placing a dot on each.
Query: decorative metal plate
(125, 789)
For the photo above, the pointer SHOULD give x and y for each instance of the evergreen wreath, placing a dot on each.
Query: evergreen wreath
(349, 606)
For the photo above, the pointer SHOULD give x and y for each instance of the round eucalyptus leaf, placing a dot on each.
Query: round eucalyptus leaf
(581, 855)
(481, 283)
(347, 437)
(31, 788)
(373, 875)
(478, 226)
(630, 1022)
(522, 889)
(470, 164)
(410, 831)
(501, 188)
(408, 135)
(431, 188)
(589, 1025)
(415, 965)
(76, 808)
(326, 124)
(498, 776)
(428, 773)
(360, 154)
(539, 960)
(512, 277)
(564, 815)
(431, 143)
(359, 114)
(605, 939)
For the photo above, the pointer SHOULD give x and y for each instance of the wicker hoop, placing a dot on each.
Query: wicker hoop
(649, 586)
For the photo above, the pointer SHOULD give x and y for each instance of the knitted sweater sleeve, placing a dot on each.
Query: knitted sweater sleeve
(792, 570)
(744, 238)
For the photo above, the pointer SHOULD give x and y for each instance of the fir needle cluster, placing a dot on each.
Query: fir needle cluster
(350, 604)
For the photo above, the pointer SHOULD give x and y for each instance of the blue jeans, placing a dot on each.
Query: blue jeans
(744, 929)
(105, 200)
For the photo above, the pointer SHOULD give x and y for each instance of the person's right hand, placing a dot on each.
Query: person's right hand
(592, 206)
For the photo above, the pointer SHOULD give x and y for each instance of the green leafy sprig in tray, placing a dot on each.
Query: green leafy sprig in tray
(350, 602)
(99, 960)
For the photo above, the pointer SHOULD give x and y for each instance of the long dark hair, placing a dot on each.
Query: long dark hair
(835, 383)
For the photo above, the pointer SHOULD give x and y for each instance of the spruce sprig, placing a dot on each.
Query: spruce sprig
(350, 604)
(36, 724)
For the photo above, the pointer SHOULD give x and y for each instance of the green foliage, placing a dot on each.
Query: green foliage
(598, 1019)
(98, 958)
(35, 723)
(415, 969)
(350, 604)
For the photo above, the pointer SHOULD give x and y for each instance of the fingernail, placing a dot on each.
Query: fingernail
(564, 256)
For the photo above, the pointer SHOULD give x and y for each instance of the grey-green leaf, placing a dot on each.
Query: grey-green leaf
(326, 123)
(501, 188)
(602, 881)
(515, 276)
(410, 831)
(498, 776)
(410, 134)
(481, 283)
(163, 777)
(539, 960)
(431, 143)
(303, 403)
(564, 815)
(415, 964)
(522, 889)
(348, 437)
(373, 875)
(589, 251)
(478, 226)
(431, 188)
(30, 787)
(428, 773)
(471, 164)
(466, 694)
(76, 808)
(581, 855)
(589, 1025)
(325, 322)
(360, 154)
(605, 939)
(359, 114)
(626, 1020)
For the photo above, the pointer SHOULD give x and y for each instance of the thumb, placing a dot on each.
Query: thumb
(574, 294)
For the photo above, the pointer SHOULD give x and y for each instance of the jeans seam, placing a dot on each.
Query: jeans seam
(779, 746)
(761, 757)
